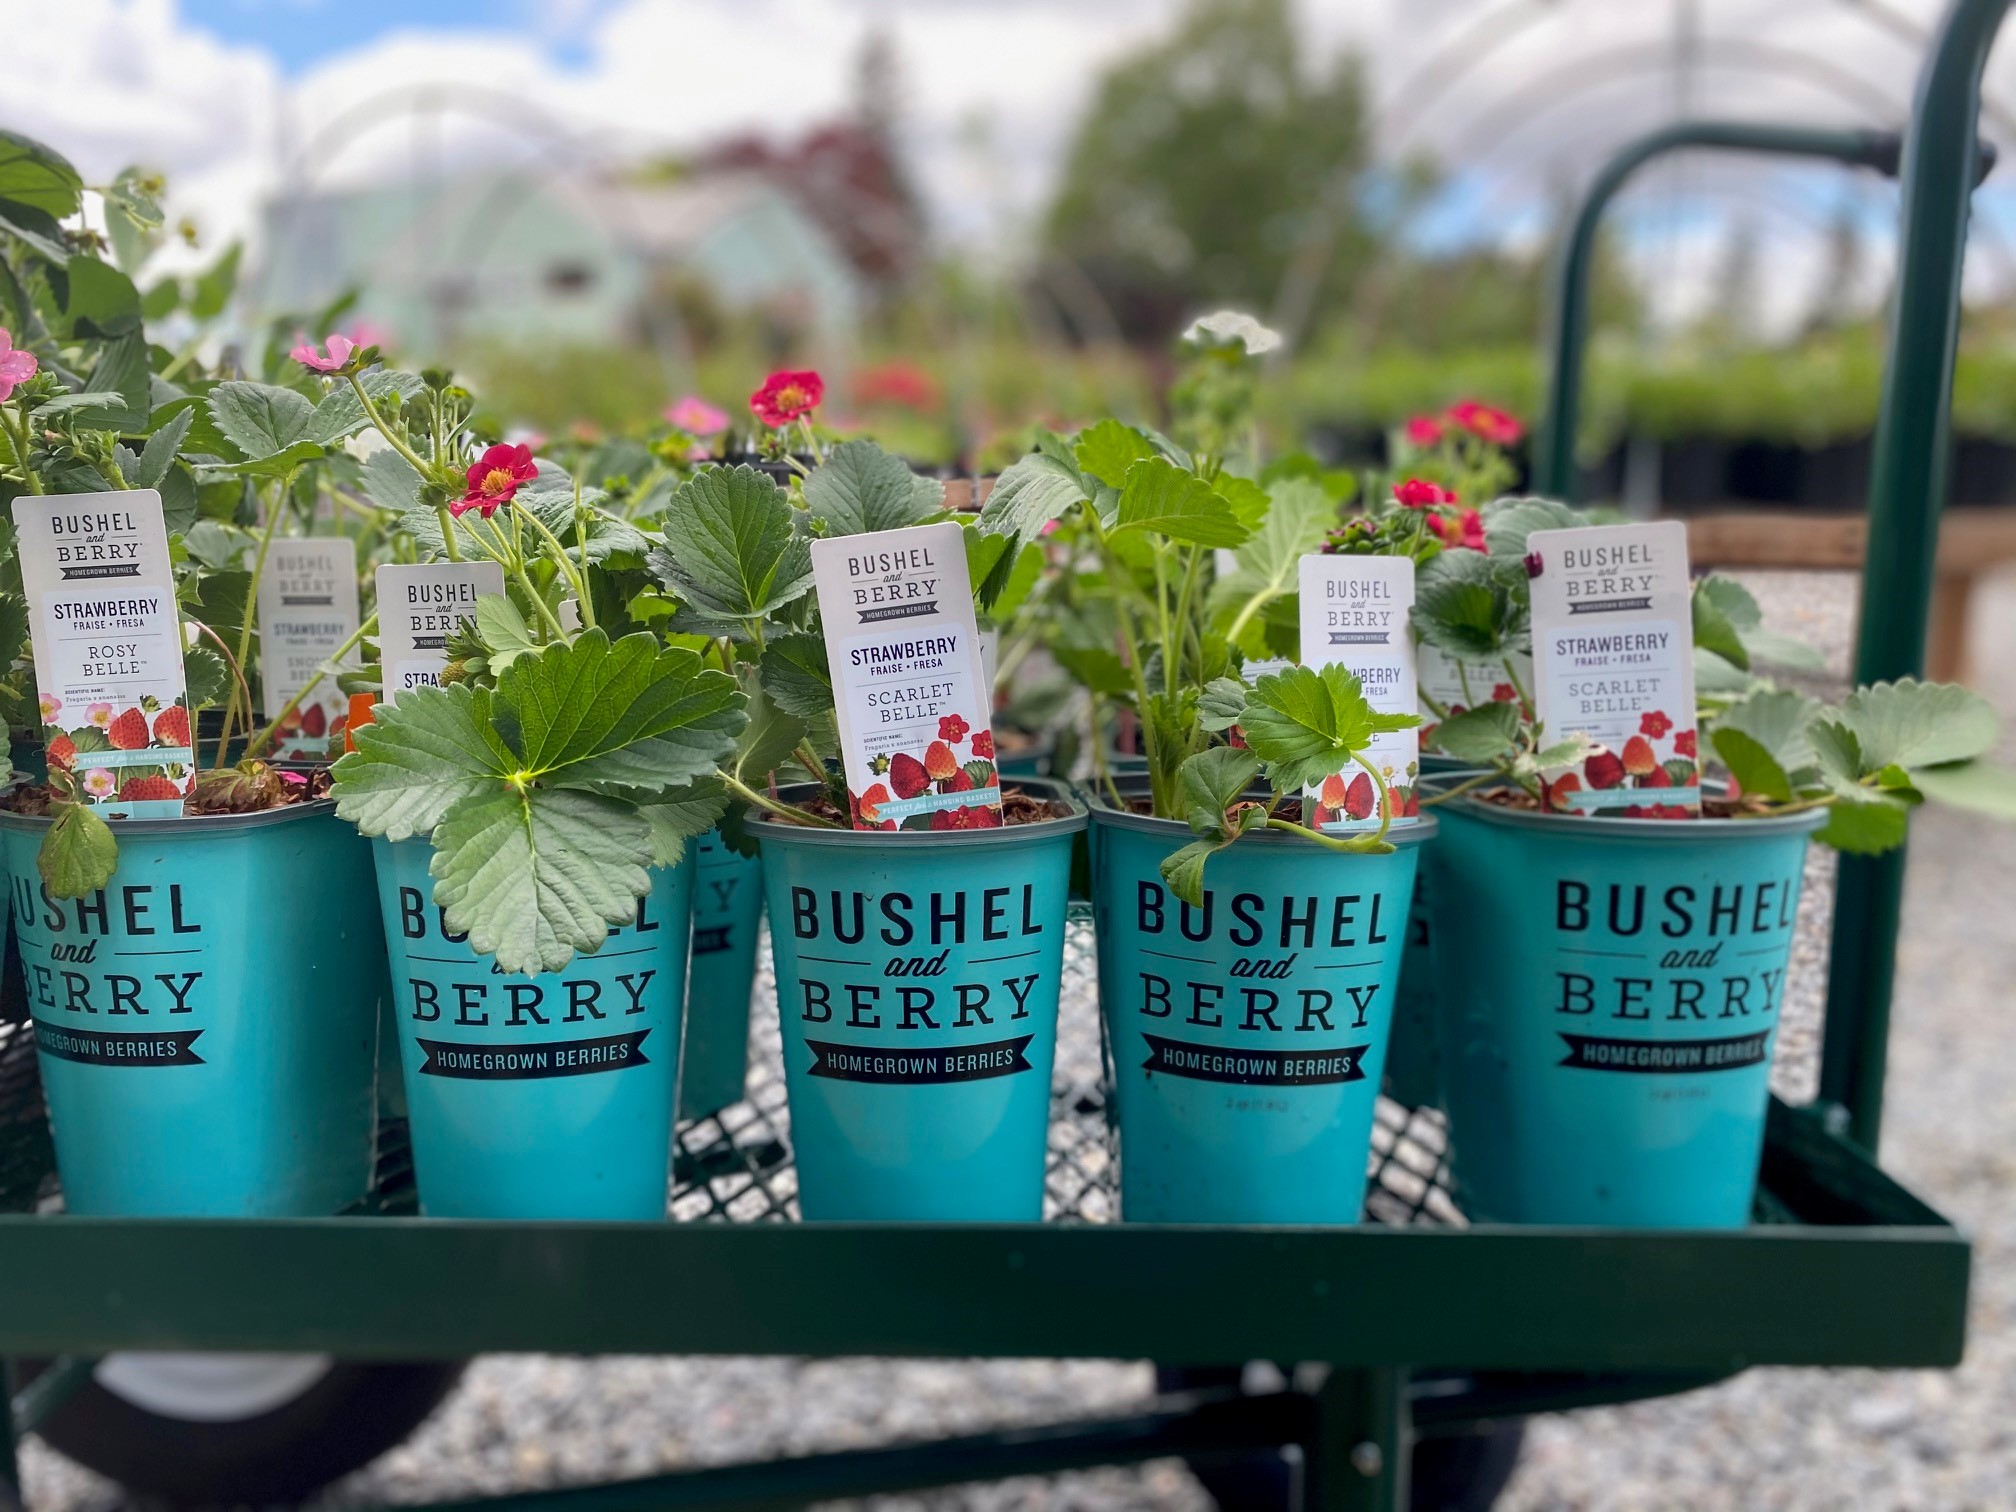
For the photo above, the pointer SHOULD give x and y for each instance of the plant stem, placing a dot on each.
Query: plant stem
(755, 799)
(398, 443)
(17, 440)
(574, 580)
(264, 738)
(1518, 689)
(448, 533)
(224, 741)
(273, 513)
(1494, 775)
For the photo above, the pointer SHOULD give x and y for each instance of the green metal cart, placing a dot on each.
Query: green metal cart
(1413, 1326)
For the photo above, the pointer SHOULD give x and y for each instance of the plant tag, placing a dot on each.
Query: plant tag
(909, 689)
(419, 607)
(1454, 684)
(1354, 614)
(108, 648)
(307, 610)
(1613, 653)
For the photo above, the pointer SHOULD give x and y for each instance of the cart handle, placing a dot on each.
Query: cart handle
(1554, 471)
(1943, 160)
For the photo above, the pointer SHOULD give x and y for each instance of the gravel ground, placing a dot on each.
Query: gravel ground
(1770, 1439)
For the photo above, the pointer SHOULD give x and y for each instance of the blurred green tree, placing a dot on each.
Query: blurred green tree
(1202, 164)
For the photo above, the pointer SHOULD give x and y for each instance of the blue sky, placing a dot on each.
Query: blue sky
(301, 33)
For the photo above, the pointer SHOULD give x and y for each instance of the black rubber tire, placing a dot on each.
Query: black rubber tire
(1457, 1472)
(346, 1419)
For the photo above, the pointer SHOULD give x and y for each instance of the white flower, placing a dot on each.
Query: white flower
(1222, 326)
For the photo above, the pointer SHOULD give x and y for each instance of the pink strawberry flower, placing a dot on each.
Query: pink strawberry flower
(100, 714)
(100, 783)
(1424, 431)
(696, 417)
(16, 366)
(1419, 493)
(51, 707)
(340, 348)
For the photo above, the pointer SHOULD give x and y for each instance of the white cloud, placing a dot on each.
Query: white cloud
(1526, 96)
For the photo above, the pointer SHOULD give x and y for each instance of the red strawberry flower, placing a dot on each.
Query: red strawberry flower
(952, 729)
(1419, 493)
(1503, 693)
(494, 478)
(983, 744)
(787, 396)
(1684, 744)
(1486, 423)
(1424, 431)
(1465, 532)
(1654, 725)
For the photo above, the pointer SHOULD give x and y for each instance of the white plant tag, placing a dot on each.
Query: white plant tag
(108, 648)
(1613, 653)
(307, 610)
(910, 688)
(1354, 614)
(419, 607)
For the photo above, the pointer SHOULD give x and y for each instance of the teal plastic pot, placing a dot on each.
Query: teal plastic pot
(917, 981)
(1413, 1059)
(539, 1097)
(1248, 1036)
(727, 916)
(1608, 993)
(207, 1023)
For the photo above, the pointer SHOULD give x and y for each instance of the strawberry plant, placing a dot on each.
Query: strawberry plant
(1161, 635)
(1868, 762)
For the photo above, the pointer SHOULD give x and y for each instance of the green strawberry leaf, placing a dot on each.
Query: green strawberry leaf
(1508, 522)
(1752, 764)
(1163, 499)
(1916, 724)
(1713, 630)
(1221, 703)
(674, 818)
(1030, 493)
(1778, 722)
(796, 676)
(78, 852)
(730, 551)
(861, 488)
(1971, 785)
(1482, 735)
(340, 415)
(261, 419)
(1463, 606)
(1864, 822)
(1306, 724)
(1108, 450)
(419, 757)
(593, 714)
(35, 176)
(1295, 516)
(1211, 782)
(534, 875)
(503, 630)
(151, 466)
